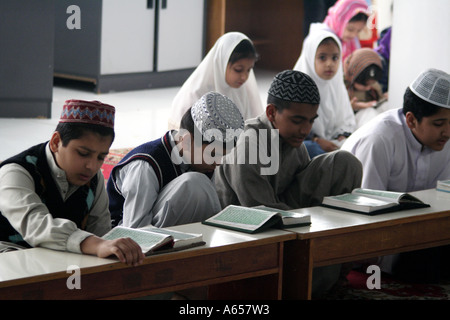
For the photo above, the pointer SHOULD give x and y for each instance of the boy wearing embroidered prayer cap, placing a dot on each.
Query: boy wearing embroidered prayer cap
(294, 181)
(298, 181)
(52, 195)
(407, 149)
(168, 181)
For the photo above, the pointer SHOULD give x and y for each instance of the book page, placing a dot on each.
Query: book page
(175, 234)
(443, 185)
(379, 194)
(144, 238)
(283, 213)
(360, 200)
(357, 202)
(242, 217)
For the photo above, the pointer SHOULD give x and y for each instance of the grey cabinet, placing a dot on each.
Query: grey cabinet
(26, 58)
(130, 45)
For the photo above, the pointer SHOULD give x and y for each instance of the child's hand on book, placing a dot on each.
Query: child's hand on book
(127, 250)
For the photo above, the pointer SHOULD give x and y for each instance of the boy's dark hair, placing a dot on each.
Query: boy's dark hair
(359, 17)
(69, 131)
(419, 107)
(187, 123)
(244, 50)
(279, 104)
(372, 72)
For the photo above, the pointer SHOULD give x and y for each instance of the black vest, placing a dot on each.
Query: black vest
(76, 208)
(157, 153)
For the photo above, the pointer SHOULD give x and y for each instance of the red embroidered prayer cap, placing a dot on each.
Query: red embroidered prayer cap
(92, 112)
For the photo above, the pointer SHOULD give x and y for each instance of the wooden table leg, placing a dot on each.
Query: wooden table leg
(297, 272)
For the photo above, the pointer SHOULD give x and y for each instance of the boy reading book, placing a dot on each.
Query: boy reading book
(168, 181)
(406, 149)
(298, 181)
(53, 195)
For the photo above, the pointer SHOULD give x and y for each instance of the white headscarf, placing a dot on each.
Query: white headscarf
(210, 76)
(335, 111)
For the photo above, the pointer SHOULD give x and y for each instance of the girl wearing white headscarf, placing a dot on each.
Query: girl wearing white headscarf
(212, 75)
(336, 119)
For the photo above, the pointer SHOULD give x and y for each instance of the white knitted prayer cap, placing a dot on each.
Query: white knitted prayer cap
(217, 117)
(433, 86)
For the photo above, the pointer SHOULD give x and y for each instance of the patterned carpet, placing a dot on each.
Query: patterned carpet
(391, 289)
(113, 157)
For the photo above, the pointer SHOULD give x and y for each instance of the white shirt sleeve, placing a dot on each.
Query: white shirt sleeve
(140, 187)
(375, 157)
(26, 212)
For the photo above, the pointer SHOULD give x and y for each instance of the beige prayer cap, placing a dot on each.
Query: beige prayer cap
(433, 86)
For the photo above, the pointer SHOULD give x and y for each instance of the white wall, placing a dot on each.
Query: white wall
(420, 40)
(384, 13)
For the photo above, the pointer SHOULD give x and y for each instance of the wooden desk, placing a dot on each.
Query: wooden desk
(228, 257)
(338, 236)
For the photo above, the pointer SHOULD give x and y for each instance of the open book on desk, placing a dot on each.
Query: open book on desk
(373, 202)
(156, 240)
(256, 219)
(181, 240)
(443, 185)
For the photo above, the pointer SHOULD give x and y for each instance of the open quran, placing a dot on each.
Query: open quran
(257, 219)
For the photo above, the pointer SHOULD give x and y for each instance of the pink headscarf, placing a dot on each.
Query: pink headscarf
(338, 17)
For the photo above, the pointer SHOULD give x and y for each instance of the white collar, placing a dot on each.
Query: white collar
(58, 175)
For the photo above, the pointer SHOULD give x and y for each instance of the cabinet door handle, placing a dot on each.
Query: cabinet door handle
(164, 4)
(149, 4)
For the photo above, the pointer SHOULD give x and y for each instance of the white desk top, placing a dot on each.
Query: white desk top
(215, 237)
(326, 219)
(40, 261)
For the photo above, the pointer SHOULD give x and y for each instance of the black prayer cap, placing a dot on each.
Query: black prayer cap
(294, 86)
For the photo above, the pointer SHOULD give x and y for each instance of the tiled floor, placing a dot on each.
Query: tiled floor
(140, 116)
